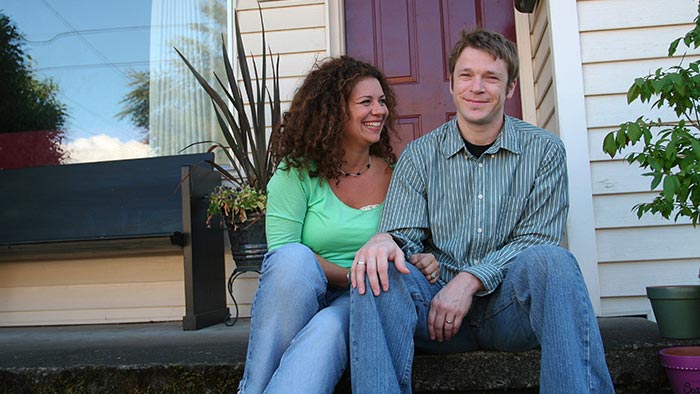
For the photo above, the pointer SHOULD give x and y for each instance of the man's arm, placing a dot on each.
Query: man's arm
(541, 223)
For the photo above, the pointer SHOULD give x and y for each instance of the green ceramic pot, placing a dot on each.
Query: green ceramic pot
(677, 310)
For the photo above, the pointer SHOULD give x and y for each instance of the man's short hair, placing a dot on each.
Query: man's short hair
(488, 41)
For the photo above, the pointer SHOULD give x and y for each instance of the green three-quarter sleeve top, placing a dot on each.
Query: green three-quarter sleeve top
(305, 210)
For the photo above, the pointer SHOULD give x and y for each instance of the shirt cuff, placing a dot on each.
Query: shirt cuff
(489, 275)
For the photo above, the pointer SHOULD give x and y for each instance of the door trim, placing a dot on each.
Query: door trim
(335, 21)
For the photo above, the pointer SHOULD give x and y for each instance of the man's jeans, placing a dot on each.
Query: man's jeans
(541, 301)
(299, 328)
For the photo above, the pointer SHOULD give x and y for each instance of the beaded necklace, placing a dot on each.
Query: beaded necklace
(369, 164)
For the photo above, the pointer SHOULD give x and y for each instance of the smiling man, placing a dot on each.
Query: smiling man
(486, 196)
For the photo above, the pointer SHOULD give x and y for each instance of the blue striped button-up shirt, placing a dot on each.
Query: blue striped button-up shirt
(477, 214)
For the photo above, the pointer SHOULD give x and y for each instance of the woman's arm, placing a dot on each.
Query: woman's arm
(336, 275)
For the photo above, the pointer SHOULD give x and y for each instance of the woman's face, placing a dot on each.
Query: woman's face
(367, 112)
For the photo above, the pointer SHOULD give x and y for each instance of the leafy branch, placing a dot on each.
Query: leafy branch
(671, 151)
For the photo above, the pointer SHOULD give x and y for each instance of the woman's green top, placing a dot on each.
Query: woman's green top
(305, 209)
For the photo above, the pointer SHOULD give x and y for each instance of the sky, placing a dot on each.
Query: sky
(87, 47)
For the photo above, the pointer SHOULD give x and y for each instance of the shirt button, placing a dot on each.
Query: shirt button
(480, 196)
(476, 261)
(480, 165)
(479, 230)
(493, 156)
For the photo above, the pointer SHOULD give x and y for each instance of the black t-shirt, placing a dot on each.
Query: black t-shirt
(476, 150)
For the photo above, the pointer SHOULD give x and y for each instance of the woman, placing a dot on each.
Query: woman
(324, 202)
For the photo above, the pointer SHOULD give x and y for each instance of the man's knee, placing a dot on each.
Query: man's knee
(549, 261)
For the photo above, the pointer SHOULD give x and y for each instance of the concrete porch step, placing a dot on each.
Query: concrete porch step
(162, 358)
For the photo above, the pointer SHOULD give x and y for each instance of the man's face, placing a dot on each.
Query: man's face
(480, 88)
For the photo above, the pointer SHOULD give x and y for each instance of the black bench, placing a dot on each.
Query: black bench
(130, 206)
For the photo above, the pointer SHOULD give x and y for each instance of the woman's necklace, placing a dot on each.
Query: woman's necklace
(369, 164)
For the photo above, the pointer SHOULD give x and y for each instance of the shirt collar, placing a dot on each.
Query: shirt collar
(507, 139)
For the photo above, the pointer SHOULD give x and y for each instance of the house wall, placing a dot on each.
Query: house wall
(101, 290)
(621, 40)
(540, 46)
(109, 289)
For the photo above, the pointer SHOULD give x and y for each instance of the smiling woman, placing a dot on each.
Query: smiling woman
(110, 68)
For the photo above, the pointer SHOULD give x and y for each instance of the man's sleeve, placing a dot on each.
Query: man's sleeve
(541, 223)
(405, 214)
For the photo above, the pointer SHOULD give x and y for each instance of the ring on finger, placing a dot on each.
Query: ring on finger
(449, 321)
(361, 262)
(433, 275)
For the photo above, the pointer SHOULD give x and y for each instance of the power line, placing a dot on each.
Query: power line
(95, 65)
(103, 30)
(83, 39)
(87, 31)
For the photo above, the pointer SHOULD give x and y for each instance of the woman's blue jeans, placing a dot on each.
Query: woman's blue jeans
(542, 301)
(299, 327)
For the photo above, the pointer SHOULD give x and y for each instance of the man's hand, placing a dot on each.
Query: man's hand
(427, 264)
(450, 305)
(373, 260)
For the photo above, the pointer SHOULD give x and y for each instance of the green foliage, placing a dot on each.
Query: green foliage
(247, 149)
(26, 103)
(671, 151)
(235, 206)
(136, 101)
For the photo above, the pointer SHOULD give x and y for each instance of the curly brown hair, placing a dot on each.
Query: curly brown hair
(310, 134)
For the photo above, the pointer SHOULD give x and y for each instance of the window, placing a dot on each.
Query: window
(111, 83)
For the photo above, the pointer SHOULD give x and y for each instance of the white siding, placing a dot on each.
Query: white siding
(622, 40)
(540, 44)
(115, 289)
(111, 289)
(296, 30)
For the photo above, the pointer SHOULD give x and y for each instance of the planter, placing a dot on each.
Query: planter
(677, 310)
(682, 368)
(248, 244)
(248, 247)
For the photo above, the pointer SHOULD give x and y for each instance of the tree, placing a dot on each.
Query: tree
(136, 101)
(671, 151)
(27, 104)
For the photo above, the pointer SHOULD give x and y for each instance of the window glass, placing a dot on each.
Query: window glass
(100, 80)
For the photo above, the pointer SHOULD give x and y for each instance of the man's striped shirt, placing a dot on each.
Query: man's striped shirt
(477, 214)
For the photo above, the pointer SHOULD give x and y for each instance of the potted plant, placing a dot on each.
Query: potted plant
(241, 114)
(671, 154)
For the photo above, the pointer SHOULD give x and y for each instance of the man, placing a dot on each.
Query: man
(486, 196)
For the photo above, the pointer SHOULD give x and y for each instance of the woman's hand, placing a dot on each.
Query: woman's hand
(372, 261)
(427, 264)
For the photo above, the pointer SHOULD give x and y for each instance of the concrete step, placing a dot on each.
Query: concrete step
(162, 358)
